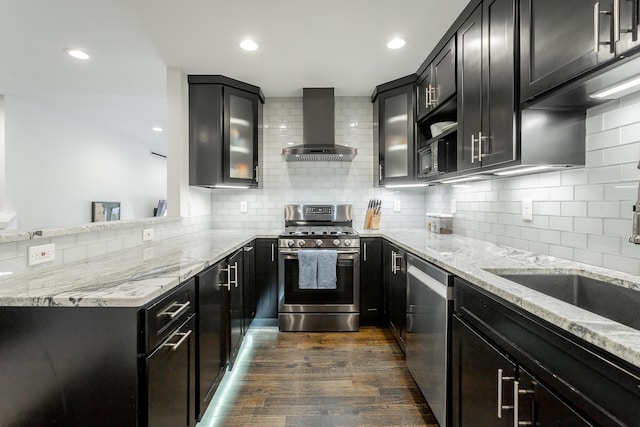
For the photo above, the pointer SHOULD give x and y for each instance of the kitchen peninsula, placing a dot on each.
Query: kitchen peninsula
(128, 281)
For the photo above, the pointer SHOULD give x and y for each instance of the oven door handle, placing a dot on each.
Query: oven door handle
(339, 252)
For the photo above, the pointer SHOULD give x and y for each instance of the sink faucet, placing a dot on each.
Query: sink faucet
(635, 237)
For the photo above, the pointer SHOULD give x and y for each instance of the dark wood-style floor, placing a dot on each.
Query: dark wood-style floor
(318, 379)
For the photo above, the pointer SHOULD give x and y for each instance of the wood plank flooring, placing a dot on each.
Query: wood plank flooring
(318, 379)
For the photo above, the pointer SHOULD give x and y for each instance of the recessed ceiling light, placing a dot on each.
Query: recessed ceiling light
(396, 43)
(157, 129)
(249, 45)
(77, 53)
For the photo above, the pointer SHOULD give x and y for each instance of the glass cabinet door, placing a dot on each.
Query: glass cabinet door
(241, 139)
(397, 134)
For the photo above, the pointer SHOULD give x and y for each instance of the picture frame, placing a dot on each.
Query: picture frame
(105, 211)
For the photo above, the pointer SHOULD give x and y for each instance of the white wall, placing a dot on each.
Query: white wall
(315, 182)
(57, 165)
(582, 214)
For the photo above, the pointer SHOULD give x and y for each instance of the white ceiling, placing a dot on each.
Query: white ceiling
(303, 43)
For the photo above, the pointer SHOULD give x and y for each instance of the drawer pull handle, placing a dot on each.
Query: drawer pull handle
(181, 308)
(502, 378)
(516, 397)
(174, 346)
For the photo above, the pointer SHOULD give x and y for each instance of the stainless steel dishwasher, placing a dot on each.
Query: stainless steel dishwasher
(429, 304)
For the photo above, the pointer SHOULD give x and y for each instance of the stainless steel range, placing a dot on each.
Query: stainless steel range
(319, 269)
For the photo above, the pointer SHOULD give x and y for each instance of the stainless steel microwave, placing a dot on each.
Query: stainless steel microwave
(437, 157)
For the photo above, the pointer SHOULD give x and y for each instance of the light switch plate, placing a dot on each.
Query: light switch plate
(41, 253)
(397, 205)
(527, 209)
(243, 206)
(454, 206)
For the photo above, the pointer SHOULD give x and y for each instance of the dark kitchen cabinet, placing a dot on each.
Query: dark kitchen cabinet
(266, 278)
(170, 360)
(629, 31)
(371, 282)
(558, 41)
(225, 118)
(171, 379)
(477, 368)
(234, 283)
(248, 286)
(395, 285)
(560, 380)
(395, 131)
(438, 81)
(211, 350)
(486, 97)
(488, 383)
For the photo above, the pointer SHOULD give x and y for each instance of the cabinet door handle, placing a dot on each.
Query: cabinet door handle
(380, 171)
(364, 250)
(173, 314)
(228, 271)
(248, 248)
(596, 27)
(516, 397)
(174, 346)
(427, 95)
(502, 378)
(235, 274)
(634, 20)
(257, 169)
(616, 20)
(393, 262)
(273, 252)
(473, 152)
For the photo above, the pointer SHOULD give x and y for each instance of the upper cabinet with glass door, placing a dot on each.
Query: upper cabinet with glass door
(225, 118)
(395, 115)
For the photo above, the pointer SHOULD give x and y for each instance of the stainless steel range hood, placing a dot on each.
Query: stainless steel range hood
(318, 109)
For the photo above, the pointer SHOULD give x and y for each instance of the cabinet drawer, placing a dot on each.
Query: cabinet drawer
(167, 313)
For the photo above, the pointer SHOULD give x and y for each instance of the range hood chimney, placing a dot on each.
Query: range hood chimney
(318, 110)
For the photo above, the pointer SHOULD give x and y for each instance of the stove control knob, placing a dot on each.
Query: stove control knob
(318, 243)
(347, 242)
(300, 243)
(336, 242)
(290, 243)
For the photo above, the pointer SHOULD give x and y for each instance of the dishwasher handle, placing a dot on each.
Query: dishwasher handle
(434, 278)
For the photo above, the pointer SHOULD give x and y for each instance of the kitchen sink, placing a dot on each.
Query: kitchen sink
(608, 300)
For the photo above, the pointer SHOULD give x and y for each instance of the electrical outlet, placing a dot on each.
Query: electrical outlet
(243, 206)
(147, 234)
(527, 209)
(454, 207)
(397, 205)
(147, 254)
(41, 253)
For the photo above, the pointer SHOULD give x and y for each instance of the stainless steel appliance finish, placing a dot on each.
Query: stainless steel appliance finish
(635, 234)
(436, 157)
(319, 227)
(429, 303)
(318, 107)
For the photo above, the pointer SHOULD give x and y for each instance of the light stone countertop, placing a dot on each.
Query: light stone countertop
(130, 278)
(134, 277)
(470, 258)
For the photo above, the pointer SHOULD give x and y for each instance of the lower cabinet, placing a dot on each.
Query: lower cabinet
(395, 297)
(371, 282)
(266, 278)
(248, 286)
(211, 353)
(171, 376)
(492, 390)
(234, 270)
(511, 368)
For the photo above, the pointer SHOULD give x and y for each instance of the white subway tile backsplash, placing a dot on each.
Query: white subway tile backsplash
(604, 209)
(588, 225)
(619, 117)
(622, 154)
(609, 138)
(573, 208)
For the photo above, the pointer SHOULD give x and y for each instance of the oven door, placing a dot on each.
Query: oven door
(344, 299)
